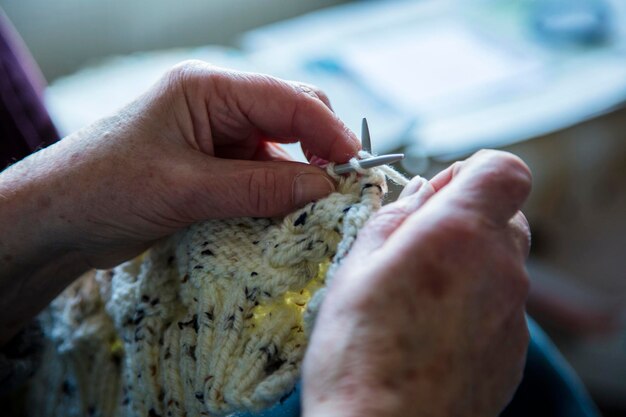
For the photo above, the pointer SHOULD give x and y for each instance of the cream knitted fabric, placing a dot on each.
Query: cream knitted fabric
(211, 319)
(81, 367)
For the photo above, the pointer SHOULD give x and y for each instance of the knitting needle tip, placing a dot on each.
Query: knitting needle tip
(370, 163)
(381, 160)
(366, 141)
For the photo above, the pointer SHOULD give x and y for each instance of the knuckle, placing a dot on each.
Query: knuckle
(454, 235)
(188, 76)
(322, 96)
(316, 92)
(266, 80)
(309, 96)
(520, 230)
(506, 171)
(456, 167)
(187, 70)
(306, 89)
(518, 170)
(417, 183)
(306, 102)
(509, 167)
(264, 193)
(465, 229)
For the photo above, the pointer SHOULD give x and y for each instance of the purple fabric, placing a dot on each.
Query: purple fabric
(25, 125)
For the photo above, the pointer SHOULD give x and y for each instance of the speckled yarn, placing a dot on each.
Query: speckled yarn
(211, 319)
(80, 374)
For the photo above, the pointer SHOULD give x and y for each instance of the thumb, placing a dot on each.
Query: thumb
(235, 188)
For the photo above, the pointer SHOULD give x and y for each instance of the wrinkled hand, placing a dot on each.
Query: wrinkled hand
(201, 144)
(426, 315)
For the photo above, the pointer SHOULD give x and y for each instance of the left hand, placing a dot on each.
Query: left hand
(200, 144)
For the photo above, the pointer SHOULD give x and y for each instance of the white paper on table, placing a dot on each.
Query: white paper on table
(421, 68)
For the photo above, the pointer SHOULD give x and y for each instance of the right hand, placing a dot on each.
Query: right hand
(426, 315)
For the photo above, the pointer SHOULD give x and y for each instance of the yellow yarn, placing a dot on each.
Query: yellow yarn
(116, 347)
(293, 302)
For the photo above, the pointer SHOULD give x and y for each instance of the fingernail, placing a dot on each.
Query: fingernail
(310, 187)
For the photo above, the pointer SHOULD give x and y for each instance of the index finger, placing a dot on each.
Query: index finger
(487, 190)
(292, 111)
(491, 184)
(240, 104)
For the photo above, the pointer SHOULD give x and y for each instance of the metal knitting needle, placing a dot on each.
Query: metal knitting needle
(370, 163)
(366, 145)
(366, 142)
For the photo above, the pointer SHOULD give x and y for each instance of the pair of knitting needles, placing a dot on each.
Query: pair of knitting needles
(374, 161)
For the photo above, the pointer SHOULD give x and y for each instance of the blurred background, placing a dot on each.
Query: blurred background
(545, 79)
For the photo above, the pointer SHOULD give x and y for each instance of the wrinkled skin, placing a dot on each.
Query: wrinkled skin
(431, 324)
(426, 315)
(201, 144)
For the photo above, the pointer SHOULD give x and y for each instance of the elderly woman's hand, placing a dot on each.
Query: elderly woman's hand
(201, 144)
(426, 315)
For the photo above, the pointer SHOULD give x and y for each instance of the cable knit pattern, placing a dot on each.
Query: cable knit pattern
(214, 319)
(206, 325)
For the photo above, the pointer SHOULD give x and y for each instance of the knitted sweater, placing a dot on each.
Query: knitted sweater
(212, 320)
